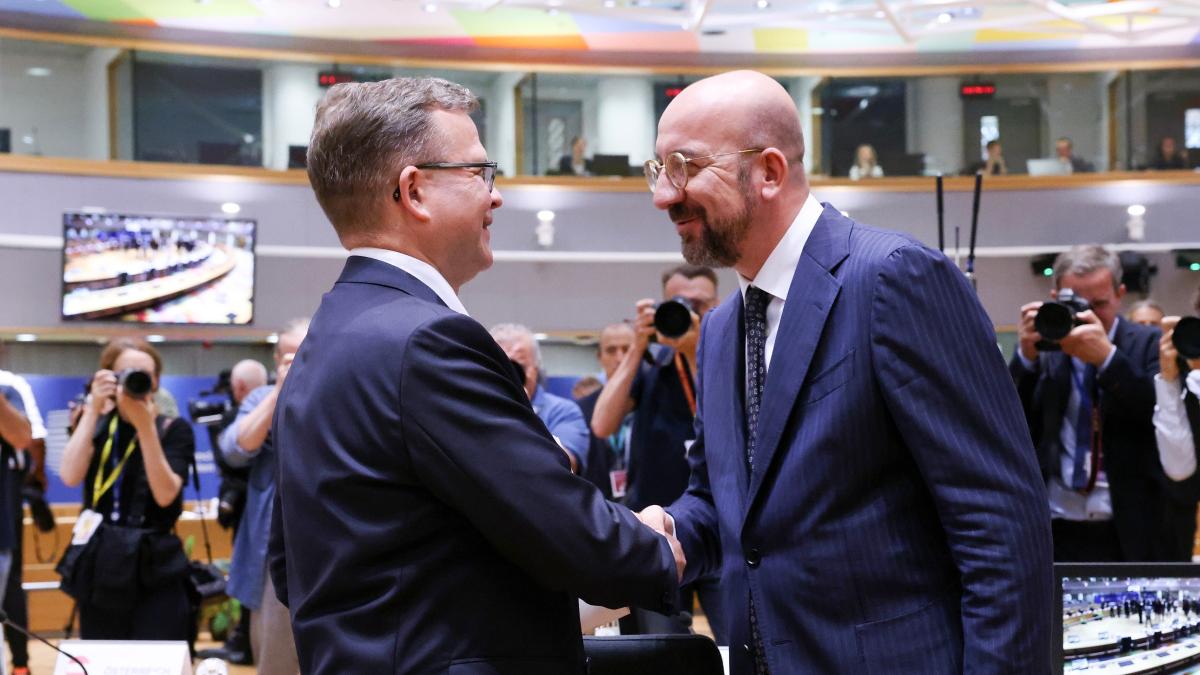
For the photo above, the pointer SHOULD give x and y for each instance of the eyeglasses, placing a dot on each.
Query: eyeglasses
(675, 167)
(488, 174)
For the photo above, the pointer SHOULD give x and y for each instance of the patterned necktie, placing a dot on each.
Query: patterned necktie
(756, 374)
(1084, 433)
(756, 363)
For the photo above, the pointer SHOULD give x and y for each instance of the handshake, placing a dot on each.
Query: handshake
(657, 519)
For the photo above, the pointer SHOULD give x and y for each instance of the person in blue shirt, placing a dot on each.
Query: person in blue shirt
(247, 442)
(561, 416)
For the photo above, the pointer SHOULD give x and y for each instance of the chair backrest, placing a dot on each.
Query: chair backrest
(652, 655)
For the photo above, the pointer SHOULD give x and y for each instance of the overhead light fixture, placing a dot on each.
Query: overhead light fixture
(155, 338)
(26, 337)
(1136, 210)
(39, 71)
(763, 4)
(540, 336)
(231, 208)
(1136, 224)
(944, 17)
(273, 338)
(544, 230)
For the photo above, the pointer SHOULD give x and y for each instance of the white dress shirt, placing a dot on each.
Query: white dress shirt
(1176, 446)
(423, 271)
(775, 276)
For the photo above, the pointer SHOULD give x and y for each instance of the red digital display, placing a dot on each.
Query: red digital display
(978, 90)
(672, 92)
(330, 79)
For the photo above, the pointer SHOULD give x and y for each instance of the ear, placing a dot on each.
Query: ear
(412, 187)
(774, 172)
(1120, 292)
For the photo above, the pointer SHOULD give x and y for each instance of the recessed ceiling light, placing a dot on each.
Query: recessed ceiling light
(762, 4)
(155, 338)
(26, 337)
(39, 71)
(273, 338)
(1136, 210)
(231, 208)
(545, 214)
(944, 17)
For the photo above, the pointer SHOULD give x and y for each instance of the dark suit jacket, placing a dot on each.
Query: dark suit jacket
(430, 523)
(895, 520)
(1135, 475)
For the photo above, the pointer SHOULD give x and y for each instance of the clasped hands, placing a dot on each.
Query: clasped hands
(657, 519)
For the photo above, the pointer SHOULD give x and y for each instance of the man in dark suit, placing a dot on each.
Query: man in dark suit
(862, 475)
(428, 521)
(1090, 404)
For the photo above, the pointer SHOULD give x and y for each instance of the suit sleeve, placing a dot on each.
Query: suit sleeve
(945, 384)
(476, 444)
(694, 512)
(1127, 384)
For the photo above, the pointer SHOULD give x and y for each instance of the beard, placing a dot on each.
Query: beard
(720, 240)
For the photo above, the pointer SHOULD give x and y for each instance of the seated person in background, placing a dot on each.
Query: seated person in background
(132, 462)
(866, 165)
(1170, 156)
(994, 164)
(1146, 312)
(560, 415)
(575, 164)
(1064, 150)
(1176, 428)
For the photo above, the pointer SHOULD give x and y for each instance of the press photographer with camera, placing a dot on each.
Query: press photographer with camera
(248, 443)
(658, 388)
(1086, 381)
(125, 567)
(1177, 427)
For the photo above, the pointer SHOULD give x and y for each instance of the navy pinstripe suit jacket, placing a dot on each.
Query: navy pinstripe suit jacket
(895, 520)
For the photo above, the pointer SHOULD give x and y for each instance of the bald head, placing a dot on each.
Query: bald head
(749, 109)
(245, 377)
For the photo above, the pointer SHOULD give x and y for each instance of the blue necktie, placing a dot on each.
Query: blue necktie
(1083, 428)
(756, 374)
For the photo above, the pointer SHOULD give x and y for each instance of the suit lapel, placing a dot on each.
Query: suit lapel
(810, 299)
(729, 385)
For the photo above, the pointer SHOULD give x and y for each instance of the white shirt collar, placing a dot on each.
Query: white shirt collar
(776, 274)
(423, 271)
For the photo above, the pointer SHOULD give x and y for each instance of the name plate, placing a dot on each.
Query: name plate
(125, 657)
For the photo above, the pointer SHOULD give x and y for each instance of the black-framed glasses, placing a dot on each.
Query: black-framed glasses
(488, 174)
(675, 166)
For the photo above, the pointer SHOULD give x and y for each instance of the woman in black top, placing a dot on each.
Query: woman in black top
(133, 464)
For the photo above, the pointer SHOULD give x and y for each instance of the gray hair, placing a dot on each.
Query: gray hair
(1084, 259)
(510, 332)
(1146, 304)
(250, 372)
(363, 136)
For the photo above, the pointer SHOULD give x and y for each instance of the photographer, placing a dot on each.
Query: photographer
(1088, 399)
(132, 461)
(248, 442)
(1177, 428)
(661, 397)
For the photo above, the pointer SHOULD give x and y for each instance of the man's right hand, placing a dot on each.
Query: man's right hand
(1027, 335)
(658, 520)
(103, 390)
(1168, 356)
(643, 324)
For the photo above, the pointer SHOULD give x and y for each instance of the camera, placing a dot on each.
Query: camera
(673, 318)
(135, 382)
(1187, 337)
(1055, 320)
(215, 410)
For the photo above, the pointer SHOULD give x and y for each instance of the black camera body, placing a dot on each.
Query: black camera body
(215, 410)
(673, 318)
(136, 383)
(1056, 319)
(1186, 337)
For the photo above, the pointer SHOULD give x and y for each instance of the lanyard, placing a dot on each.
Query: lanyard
(1097, 437)
(685, 381)
(101, 484)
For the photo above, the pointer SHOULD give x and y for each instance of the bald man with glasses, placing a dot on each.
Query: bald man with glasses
(427, 521)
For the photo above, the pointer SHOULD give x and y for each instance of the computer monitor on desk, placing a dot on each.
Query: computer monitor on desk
(1047, 167)
(1127, 618)
(610, 165)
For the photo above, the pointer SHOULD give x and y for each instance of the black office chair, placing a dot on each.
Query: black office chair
(652, 655)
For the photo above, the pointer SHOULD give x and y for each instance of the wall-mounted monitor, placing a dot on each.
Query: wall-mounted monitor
(156, 269)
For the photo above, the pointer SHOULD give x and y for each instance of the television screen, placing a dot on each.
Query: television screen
(157, 269)
(1134, 618)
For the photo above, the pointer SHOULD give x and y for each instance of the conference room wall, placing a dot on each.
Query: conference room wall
(44, 114)
(299, 254)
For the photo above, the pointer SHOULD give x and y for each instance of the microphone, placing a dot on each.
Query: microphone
(5, 620)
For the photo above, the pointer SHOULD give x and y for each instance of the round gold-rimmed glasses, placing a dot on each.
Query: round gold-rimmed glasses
(675, 167)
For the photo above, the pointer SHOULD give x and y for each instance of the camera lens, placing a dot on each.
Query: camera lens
(1054, 321)
(1187, 337)
(136, 383)
(673, 318)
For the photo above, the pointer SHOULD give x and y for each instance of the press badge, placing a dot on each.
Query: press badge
(85, 527)
(617, 481)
